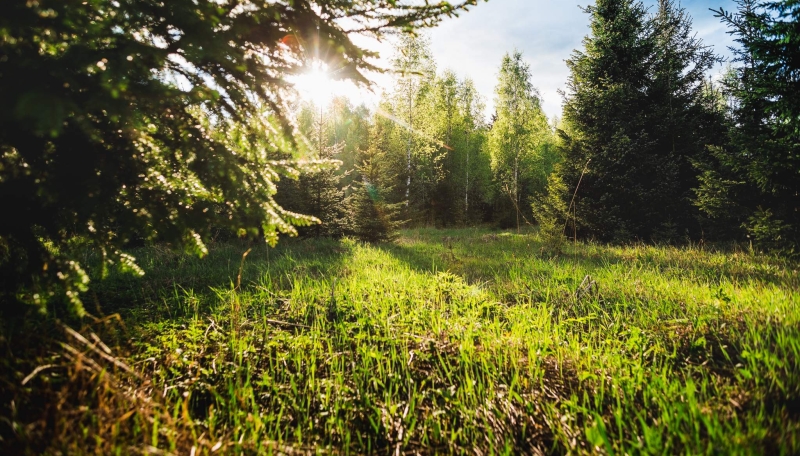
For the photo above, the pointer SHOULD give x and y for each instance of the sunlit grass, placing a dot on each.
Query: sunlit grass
(457, 341)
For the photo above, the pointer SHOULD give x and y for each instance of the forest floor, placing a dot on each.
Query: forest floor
(446, 341)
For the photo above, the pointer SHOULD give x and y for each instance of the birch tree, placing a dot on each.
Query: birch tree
(517, 136)
(415, 70)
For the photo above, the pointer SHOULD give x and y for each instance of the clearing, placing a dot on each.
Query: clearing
(463, 341)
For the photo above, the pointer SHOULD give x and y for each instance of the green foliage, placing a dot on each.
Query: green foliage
(351, 131)
(458, 118)
(552, 212)
(415, 147)
(431, 132)
(519, 139)
(636, 108)
(722, 197)
(318, 192)
(768, 232)
(371, 218)
(126, 120)
(759, 170)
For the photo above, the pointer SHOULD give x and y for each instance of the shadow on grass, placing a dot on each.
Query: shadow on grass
(173, 276)
(690, 264)
(480, 255)
(474, 255)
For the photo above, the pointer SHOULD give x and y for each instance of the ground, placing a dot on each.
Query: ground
(462, 341)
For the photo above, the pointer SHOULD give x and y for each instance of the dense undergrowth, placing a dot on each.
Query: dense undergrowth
(461, 341)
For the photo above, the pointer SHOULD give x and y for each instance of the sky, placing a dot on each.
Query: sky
(545, 31)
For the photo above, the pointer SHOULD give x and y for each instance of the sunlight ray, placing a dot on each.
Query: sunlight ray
(386, 115)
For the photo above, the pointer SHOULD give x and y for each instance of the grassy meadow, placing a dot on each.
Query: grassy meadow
(445, 341)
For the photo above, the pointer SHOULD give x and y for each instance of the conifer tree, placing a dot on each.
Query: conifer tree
(371, 217)
(322, 195)
(636, 119)
(758, 171)
(605, 95)
(688, 121)
(141, 118)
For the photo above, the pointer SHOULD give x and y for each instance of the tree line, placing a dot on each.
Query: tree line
(649, 146)
(653, 150)
(426, 155)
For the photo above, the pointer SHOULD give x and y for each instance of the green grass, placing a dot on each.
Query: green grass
(462, 341)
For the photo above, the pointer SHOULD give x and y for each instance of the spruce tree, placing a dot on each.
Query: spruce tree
(636, 120)
(320, 188)
(688, 121)
(606, 94)
(141, 118)
(758, 172)
(371, 217)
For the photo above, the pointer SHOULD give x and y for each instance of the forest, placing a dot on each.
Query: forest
(429, 157)
(203, 252)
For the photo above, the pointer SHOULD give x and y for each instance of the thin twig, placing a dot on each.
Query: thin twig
(286, 323)
(36, 371)
(574, 195)
(102, 354)
(241, 267)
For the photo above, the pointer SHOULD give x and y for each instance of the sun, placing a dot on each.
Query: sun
(316, 85)
(319, 85)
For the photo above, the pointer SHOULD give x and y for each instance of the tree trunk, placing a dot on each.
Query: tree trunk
(466, 188)
(408, 144)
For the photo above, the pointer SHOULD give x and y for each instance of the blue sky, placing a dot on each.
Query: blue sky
(546, 32)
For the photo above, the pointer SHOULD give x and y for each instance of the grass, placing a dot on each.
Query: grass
(447, 341)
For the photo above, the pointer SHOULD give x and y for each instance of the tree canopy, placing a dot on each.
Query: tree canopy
(753, 180)
(156, 120)
(518, 138)
(636, 119)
